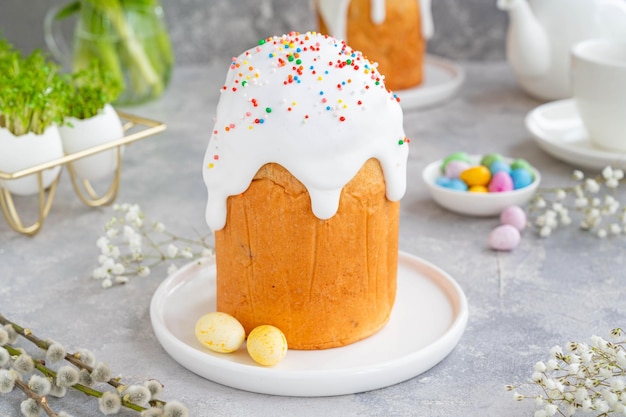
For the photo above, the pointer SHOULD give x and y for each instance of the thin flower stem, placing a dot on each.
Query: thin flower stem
(42, 401)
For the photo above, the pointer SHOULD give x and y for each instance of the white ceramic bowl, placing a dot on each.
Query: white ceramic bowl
(476, 204)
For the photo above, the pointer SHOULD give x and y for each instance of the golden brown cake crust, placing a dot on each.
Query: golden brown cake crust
(397, 44)
(324, 283)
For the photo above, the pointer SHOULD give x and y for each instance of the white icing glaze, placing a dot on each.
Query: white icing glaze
(311, 104)
(334, 13)
(378, 11)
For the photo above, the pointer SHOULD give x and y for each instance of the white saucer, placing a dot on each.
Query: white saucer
(442, 78)
(426, 324)
(558, 130)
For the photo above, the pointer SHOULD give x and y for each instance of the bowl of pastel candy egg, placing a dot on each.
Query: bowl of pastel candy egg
(480, 185)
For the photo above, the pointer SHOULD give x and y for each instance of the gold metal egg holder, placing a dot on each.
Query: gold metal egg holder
(135, 128)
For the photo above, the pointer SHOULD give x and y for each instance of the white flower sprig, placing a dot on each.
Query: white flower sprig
(132, 245)
(592, 199)
(582, 377)
(38, 380)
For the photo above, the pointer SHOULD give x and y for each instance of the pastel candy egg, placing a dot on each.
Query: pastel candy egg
(504, 237)
(499, 166)
(220, 332)
(267, 345)
(477, 175)
(454, 168)
(490, 158)
(457, 156)
(451, 183)
(500, 182)
(478, 189)
(522, 163)
(522, 177)
(515, 216)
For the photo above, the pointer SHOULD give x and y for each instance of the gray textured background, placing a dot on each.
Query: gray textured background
(201, 30)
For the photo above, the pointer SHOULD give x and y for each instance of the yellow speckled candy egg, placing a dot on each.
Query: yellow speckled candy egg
(476, 175)
(220, 332)
(267, 345)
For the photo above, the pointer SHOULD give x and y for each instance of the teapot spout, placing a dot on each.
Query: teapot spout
(528, 46)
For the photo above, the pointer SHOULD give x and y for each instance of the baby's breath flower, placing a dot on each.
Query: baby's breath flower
(582, 377)
(143, 271)
(124, 254)
(121, 280)
(118, 269)
(109, 403)
(172, 250)
(545, 231)
(172, 268)
(593, 199)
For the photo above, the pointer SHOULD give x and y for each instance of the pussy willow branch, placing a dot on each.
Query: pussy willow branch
(74, 359)
(79, 387)
(42, 401)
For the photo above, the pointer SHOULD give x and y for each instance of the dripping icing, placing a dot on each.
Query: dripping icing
(273, 92)
(334, 13)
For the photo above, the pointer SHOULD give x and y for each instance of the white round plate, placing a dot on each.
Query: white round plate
(426, 324)
(475, 204)
(442, 78)
(558, 130)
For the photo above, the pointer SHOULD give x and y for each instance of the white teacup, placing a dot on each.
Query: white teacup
(599, 90)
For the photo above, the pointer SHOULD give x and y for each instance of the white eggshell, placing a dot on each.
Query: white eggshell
(88, 133)
(515, 216)
(220, 332)
(267, 345)
(504, 237)
(26, 151)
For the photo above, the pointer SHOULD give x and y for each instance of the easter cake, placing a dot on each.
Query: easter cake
(304, 169)
(391, 32)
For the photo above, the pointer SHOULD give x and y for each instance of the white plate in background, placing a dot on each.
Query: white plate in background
(558, 130)
(442, 79)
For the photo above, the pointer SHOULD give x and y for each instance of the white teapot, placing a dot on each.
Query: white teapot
(541, 33)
